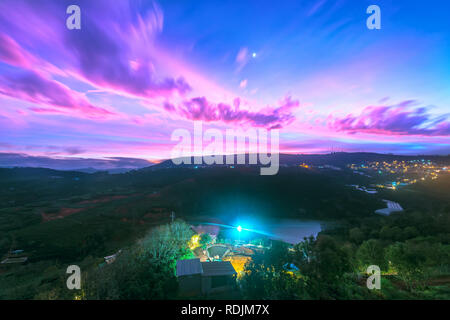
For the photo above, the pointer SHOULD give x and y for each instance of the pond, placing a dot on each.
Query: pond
(293, 231)
(288, 230)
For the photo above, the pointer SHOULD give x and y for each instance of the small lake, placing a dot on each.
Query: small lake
(288, 230)
(293, 231)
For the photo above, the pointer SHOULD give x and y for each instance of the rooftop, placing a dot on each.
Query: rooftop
(218, 268)
(189, 267)
(14, 260)
(194, 266)
(391, 207)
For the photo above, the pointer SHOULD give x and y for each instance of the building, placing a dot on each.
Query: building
(391, 207)
(13, 258)
(110, 259)
(202, 278)
(9, 262)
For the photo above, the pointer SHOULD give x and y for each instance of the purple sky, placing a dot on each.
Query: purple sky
(138, 70)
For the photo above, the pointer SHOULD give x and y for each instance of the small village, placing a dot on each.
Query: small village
(217, 263)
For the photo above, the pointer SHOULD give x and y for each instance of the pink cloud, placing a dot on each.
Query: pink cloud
(200, 108)
(53, 96)
(242, 58)
(400, 119)
(12, 53)
(121, 60)
(124, 60)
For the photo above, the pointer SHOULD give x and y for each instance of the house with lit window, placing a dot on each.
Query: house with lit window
(203, 278)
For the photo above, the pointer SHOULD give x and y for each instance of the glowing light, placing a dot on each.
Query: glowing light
(239, 228)
(238, 263)
(254, 54)
(195, 242)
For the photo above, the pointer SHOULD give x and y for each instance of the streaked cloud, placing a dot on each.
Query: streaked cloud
(201, 109)
(51, 96)
(242, 58)
(403, 118)
(138, 69)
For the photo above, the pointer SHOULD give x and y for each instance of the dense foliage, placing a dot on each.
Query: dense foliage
(412, 250)
(110, 212)
(144, 271)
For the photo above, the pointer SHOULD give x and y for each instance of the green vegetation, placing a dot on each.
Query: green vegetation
(205, 238)
(144, 271)
(411, 248)
(63, 218)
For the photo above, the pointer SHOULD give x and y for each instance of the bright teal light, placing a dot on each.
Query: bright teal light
(239, 228)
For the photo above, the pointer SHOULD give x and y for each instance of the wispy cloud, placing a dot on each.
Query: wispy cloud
(400, 119)
(242, 58)
(130, 76)
(316, 7)
(111, 51)
(201, 109)
(51, 96)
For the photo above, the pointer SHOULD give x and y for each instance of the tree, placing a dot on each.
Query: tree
(277, 256)
(262, 280)
(387, 233)
(410, 232)
(205, 238)
(356, 235)
(323, 264)
(144, 271)
(93, 244)
(370, 252)
(167, 241)
(409, 261)
(132, 277)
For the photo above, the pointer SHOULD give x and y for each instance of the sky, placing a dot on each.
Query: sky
(138, 70)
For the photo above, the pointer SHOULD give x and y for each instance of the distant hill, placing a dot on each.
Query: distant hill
(66, 214)
(211, 191)
(117, 165)
(112, 164)
(336, 159)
